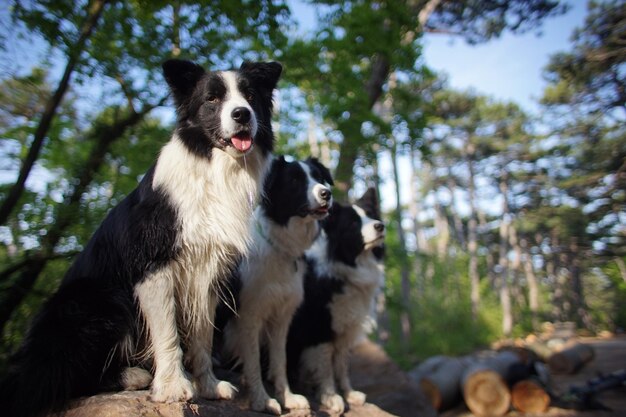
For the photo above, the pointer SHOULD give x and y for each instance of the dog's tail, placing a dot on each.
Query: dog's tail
(73, 349)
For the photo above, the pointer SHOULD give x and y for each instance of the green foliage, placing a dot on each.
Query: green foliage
(440, 311)
(90, 160)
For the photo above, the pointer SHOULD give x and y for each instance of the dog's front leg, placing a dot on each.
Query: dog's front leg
(248, 335)
(318, 362)
(199, 357)
(340, 364)
(278, 366)
(156, 300)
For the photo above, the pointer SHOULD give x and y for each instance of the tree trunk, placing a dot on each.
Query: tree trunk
(505, 294)
(414, 211)
(66, 213)
(472, 235)
(16, 191)
(533, 284)
(404, 260)
(443, 230)
(621, 266)
(456, 219)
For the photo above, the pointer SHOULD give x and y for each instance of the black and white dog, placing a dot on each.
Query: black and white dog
(344, 274)
(296, 196)
(146, 283)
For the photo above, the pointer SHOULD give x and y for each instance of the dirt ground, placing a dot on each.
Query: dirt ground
(610, 356)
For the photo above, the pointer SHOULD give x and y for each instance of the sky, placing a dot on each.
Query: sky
(508, 68)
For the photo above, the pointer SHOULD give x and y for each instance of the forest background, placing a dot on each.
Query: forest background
(498, 219)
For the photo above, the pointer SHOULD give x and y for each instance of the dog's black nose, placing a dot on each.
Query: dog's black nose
(325, 194)
(379, 227)
(240, 114)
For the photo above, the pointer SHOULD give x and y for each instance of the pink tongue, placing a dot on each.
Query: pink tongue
(241, 144)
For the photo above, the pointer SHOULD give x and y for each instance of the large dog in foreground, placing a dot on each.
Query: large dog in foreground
(296, 196)
(344, 274)
(144, 288)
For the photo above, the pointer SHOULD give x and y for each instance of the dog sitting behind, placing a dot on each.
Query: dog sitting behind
(344, 274)
(270, 278)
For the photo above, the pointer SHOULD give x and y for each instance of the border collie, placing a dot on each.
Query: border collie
(270, 278)
(344, 273)
(144, 288)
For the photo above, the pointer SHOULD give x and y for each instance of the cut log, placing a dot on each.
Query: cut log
(529, 396)
(485, 387)
(428, 366)
(540, 348)
(442, 385)
(571, 358)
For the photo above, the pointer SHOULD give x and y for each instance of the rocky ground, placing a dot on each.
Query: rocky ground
(389, 392)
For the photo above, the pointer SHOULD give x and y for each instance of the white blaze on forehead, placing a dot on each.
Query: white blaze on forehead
(362, 214)
(234, 98)
(314, 188)
(368, 231)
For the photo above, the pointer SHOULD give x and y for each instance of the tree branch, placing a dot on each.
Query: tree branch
(30, 270)
(17, 189)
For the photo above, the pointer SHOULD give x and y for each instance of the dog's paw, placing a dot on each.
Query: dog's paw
(265, 405)
(176, 390)
(355, 397)
(333, 402)
(134, 379)
(296, 402)
(213, 389)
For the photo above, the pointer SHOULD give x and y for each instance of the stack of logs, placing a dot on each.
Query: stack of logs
(491, 382)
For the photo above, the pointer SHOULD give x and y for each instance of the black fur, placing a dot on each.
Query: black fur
(312, 323)
(70, 349)
(284, 196)
(198, 96)
(285, 190)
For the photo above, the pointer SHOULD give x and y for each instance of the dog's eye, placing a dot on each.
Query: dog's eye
(213, 98)
(249, 96)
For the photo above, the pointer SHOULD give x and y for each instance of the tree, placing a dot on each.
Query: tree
(120, 62)
(586, 101)
(345, 68)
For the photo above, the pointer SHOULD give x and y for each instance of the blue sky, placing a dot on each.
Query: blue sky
(508, 68)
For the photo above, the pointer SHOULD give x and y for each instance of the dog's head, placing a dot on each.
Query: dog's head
(228, 110)
(298, 188)
(354, 229)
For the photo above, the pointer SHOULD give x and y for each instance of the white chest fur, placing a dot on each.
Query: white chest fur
(350, 308)
(214, 200)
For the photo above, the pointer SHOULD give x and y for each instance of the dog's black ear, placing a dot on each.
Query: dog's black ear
(323, 170)
(370, 203)
(274, 171)
(182, 76)
(263, 74)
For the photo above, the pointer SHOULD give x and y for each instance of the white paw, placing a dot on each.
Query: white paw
(333, 402)
(296, 402)
(265, 405)
(134, 379)
(176, 390)
(213, 389)
(355, 397)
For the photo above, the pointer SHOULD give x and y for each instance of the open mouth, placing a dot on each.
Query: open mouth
(319, 211)
(242, 141)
